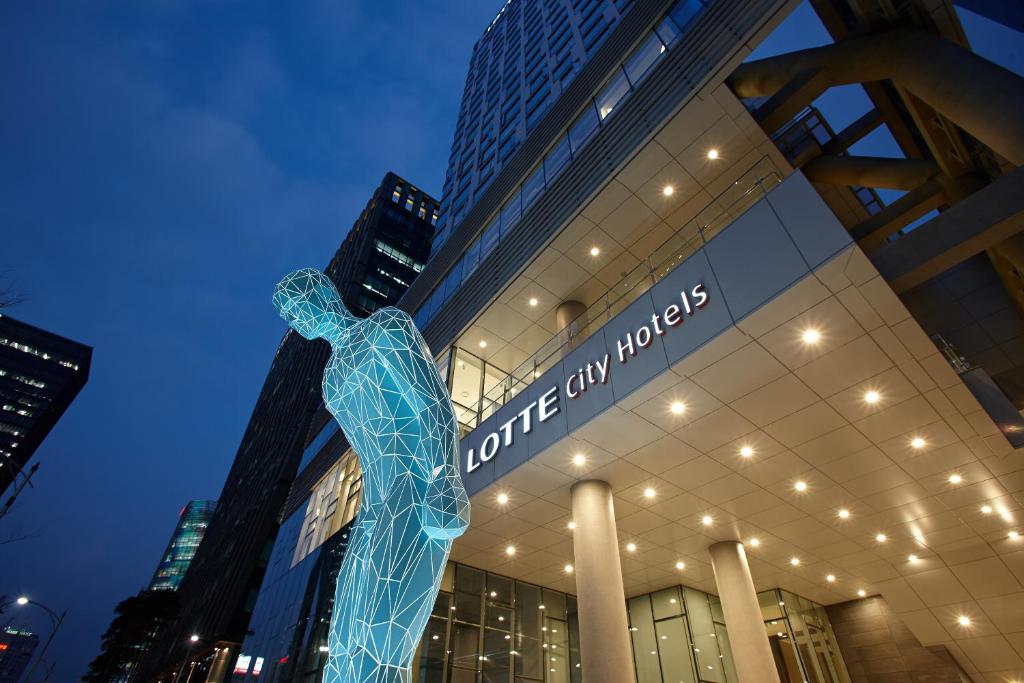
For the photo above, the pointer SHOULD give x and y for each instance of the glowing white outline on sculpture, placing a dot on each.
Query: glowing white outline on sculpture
(383, 388)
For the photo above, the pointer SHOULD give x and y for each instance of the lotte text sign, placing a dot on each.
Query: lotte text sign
(590, 377)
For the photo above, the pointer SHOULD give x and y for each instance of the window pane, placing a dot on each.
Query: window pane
(643, 58)
(432, 652)
(496, 657)
(667, 603)
(510, 214)
(675, 649)
(582, 130)
(533, 187)
(645, 642)
(465, 646)
(452, 282)
(557, 159)
(705, 640)
(556, 654)
(529, 617)
(471, 260)
(613, 93)
(684, 12)
(489, 238)
(667, 31)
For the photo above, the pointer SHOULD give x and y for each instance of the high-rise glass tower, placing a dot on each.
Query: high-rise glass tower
(192, 523)
(525, 59)
(41, 373)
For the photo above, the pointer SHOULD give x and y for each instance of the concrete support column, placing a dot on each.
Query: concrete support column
(570, 320)
(605, 650)
(750, 649)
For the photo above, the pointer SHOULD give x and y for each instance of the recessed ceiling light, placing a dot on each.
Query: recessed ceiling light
(1014, 535)
(668, 190)
(649, 493)
(844, 514)
(831, 578)
(594, 251)
(872, 396)
(706, 520)
(510, 550)
(746, 451)
(483, 344)
(568, 569)
(754, 542)
(712, 154)
(800, 486)
(913, 559)
(955, 478)
(811, 336)
(571, 525)
(579, 460)
(986, 509)
(680, 566)
(795, 561)
(677, 407)
(917, 442)
(862, 593)
(533, 301)
(963, 620)
(631, 547)
(881, 538)
(502, 499)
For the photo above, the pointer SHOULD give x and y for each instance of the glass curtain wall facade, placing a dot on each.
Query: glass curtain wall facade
(192, 523)
(528, 55)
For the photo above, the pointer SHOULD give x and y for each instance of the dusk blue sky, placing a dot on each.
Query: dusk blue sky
(165, 163)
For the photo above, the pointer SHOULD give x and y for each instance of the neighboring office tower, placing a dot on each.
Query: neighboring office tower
(40, 374)
(387, 246)
(192, 523)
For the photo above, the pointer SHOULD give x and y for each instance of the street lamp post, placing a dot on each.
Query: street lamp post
(58, 619)
(192, 640)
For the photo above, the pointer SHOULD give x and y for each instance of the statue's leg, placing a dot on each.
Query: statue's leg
(407, 566)
(349, 604)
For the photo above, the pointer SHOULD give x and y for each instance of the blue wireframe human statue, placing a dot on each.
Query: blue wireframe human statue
(383, 388)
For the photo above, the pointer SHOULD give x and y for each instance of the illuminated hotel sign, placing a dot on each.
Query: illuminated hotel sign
(592, 375)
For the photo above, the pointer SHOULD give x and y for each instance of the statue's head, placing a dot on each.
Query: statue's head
(309, 302)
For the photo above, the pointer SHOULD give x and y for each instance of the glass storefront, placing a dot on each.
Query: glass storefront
(679, 636)
(487, 628)
(801, 639)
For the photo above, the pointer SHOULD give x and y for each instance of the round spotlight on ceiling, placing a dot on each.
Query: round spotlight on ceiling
(712, 154)
(668, 190)
(872, 397)
(594, 251)
(811, 336)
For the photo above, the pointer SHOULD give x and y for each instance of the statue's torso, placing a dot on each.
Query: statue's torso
(381, 385)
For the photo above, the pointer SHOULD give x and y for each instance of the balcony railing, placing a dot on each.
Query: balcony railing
(747, 190)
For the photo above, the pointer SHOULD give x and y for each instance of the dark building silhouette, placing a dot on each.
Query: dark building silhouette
(185, 540)
(386, 248)
(40, 375)
(16, 649)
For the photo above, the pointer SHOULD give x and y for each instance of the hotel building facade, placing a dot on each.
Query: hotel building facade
(727, 415)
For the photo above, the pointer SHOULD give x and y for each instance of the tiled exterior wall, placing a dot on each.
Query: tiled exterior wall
(879, 648)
